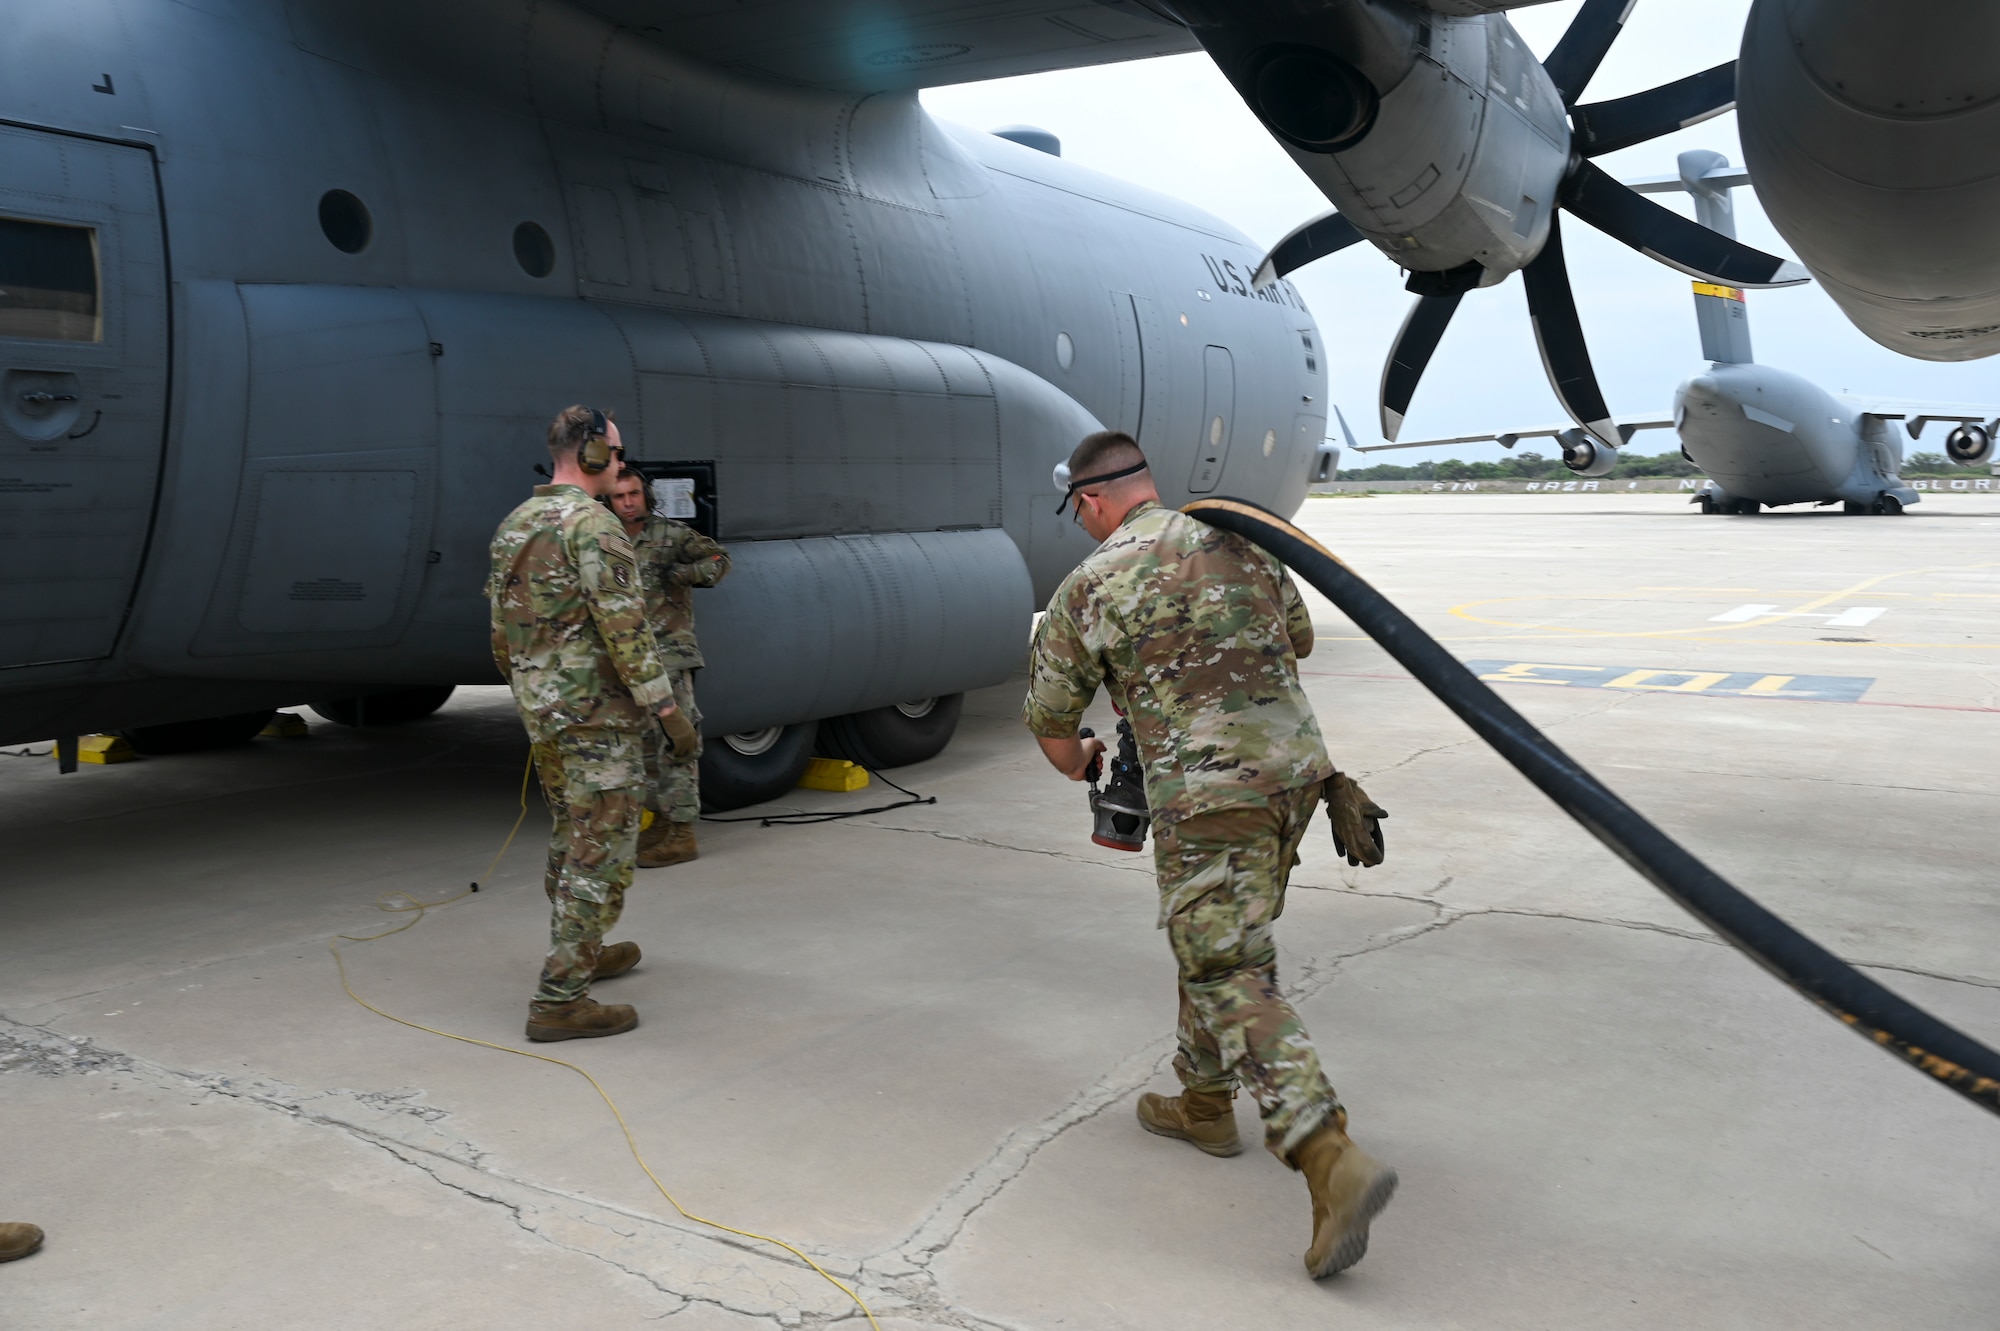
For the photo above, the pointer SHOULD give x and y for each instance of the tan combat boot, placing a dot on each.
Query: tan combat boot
(615, 959)
(579, 1019)
(18, 1239)
(1348, 1188)
(1206, 1119)
(665, 843)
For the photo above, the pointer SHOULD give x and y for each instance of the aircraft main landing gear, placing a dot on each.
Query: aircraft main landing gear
(385, 709)
(893, 736)
(754, 766)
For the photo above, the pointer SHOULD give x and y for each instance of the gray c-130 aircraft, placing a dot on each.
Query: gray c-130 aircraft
(293, 283)
(289, 291)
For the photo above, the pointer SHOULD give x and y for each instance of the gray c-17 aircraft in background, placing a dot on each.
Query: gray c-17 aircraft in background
(1764, 436)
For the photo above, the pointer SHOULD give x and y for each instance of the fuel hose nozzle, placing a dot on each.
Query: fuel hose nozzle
(1118, 813)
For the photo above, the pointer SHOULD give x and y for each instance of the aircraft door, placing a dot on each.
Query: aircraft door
(1131, 364)
(1218, 417)
(83, 385)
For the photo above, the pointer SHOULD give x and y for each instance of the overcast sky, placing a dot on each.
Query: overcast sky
(1175, 125)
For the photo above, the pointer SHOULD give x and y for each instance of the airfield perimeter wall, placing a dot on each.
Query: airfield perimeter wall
(1606, 485)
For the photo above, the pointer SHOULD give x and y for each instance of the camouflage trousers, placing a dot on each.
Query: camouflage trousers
(595, 784)
(673, 786)
(1222, 884)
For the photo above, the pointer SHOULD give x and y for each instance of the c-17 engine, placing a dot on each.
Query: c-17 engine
(1586, 456)
(1969, 445)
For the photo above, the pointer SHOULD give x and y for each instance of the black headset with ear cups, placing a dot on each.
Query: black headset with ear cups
(594, 453)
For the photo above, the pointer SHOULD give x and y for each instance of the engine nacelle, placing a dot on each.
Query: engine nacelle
(1586, 456)
(1440, 138)
(1870, 130)
(1969, 445)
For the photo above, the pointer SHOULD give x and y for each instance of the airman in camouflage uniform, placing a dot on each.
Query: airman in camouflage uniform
(674, 559)
(1196, 633)
(570, 636)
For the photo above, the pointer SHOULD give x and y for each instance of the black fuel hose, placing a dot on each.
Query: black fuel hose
(1951, 1056)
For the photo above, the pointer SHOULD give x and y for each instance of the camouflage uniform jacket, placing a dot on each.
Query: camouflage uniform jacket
(569, 622)
(674, 559)
(1197, 633)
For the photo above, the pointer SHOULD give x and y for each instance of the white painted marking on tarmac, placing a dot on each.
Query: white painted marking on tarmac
(1742, 614)
(1851, 618)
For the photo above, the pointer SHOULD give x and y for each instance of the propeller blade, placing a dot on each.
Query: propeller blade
(1584, 45)
(1604, 127)
(1660, 233)
(1420, 335)
(1329, 233)
(1559, 334)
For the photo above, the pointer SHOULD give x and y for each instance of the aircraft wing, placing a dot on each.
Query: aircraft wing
(1916, 415)
(895, 45)
(1627, 427)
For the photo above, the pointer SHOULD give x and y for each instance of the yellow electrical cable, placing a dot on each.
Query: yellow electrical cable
(420, 908)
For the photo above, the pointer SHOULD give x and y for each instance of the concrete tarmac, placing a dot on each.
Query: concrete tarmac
(910, 1043)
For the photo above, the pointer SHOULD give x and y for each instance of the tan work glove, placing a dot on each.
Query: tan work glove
(1357, 822)
(681, 733)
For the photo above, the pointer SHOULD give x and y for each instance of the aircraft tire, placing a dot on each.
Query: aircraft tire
(753, 767)
(1854, 506)
(385, 709)
(893, 736)
(1708, 507)
(209, 732)
(1886, 505)
(1745, 507)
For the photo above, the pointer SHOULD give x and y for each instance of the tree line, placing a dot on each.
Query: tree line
(1631, 466)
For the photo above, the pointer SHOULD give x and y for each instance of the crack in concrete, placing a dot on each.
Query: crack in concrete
(784, 1290)
(900, 1278)
(1374, 772)
(1068, 857)
(1977, 982)
(1011, 1159)
(1798, 776)
(1454, 914)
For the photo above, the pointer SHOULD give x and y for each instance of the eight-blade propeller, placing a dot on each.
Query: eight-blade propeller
(1591, 196)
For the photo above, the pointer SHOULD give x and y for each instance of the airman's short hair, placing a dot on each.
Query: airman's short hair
(1105, 451)
(570, 428)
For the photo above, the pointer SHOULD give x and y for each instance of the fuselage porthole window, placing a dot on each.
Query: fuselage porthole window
(1065, 350)
(49, 282)
(345, 222)
(533, 250)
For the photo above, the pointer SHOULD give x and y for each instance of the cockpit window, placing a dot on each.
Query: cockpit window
(49, 284)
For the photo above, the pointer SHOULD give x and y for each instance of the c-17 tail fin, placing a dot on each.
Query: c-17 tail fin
(1724, 322)
(1719, 311)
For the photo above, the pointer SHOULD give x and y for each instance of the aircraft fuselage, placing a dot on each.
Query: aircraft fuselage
(349, 259)
(1765, 434)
